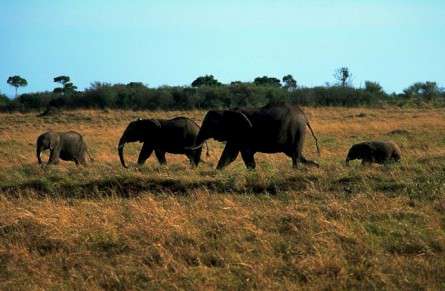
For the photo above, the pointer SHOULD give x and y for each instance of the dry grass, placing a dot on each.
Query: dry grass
(103, 227)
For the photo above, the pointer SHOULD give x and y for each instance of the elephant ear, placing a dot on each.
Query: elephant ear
(54, 141)
(237, 125)
(156, 123)
(150, 127)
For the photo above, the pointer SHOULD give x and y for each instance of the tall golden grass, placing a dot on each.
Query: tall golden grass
(173, 227)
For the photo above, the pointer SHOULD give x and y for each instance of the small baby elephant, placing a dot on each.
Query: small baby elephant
(68, 146)
(374, 152)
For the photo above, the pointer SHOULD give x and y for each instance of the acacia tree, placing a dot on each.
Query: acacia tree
(17, 81)
(289, 83)
(343, 76)
(67, 86)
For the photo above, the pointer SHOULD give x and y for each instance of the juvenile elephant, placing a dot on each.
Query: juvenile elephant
(274, 128)
(68, 146)
(374, 152)
(175, 136)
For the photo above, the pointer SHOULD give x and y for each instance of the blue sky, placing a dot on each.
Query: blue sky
(171, 42)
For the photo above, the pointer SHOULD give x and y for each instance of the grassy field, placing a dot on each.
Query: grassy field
(173, 227)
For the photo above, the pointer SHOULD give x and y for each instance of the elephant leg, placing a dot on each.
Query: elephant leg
(160, 155)
(294, 157)
(191, 158)
(83, 155)
(296, 154)
(308, 162)
(83, 160)
(194, 157)
(145, 153)
(248, 158)
(366, 162)
(295, 160)
(228, 156)
(196, 154)
(54, 155)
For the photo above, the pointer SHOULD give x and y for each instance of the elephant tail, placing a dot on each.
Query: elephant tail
(313, 134)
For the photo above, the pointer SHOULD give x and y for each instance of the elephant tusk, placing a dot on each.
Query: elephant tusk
(194, 148)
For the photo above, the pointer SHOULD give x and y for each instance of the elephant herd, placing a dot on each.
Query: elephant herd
(274, 128)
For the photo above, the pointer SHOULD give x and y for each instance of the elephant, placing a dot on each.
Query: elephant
(175, 136)
(378, 152)
(67, 146)
(274, 128)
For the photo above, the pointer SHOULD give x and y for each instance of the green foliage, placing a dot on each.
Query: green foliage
(207, 80)
(422, 91)
(62, 79)
(17, 81)
(289, 83)
(206, 93)
(67, 86)
(374, 88)
(343, 76)
(267, 81)
(3, 99)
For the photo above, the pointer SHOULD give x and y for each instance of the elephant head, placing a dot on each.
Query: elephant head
(48, 140)
(141, 130)
(358, 151)
(224, 125)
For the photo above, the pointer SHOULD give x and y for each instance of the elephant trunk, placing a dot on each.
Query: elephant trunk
(38, 152)
(349, 157)
(121, 151)
(202, 136)
(199, 142)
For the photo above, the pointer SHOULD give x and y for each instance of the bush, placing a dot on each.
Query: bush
(137, 96)
(3, 100)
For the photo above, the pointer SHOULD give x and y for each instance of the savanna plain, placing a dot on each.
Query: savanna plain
(174, 227)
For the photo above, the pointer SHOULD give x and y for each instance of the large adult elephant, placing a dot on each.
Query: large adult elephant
(176, 136)
(67, 146)
(274, 128)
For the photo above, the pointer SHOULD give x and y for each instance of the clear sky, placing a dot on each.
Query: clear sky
(171, 42)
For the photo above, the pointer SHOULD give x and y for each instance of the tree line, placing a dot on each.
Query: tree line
(207, 92)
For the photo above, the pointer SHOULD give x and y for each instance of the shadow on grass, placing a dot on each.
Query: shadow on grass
(128, 187)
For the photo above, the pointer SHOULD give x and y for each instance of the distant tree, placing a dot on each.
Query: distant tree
(135, 84)
(62, 79)
(17, 81)
(97, 85)
(67, 86)
(373, 88)
(267, 81)
(289, 83)
(426, 91)
(207, 80)
(3, 99)
(343, 76)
